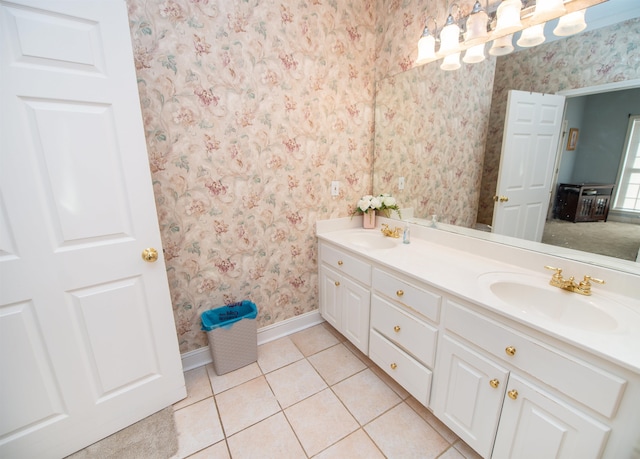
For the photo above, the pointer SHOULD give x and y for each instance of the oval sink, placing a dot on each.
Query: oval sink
(372, 240)
(533, 295)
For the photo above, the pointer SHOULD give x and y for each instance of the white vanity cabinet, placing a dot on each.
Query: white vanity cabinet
(345, 295)
(508, 395)
(404, 334)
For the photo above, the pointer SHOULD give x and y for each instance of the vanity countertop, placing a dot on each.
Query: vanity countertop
(461, 265)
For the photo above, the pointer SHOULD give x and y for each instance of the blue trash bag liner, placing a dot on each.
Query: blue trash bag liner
(226, 316)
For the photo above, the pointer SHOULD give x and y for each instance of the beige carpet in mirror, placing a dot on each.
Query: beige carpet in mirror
(614, 239)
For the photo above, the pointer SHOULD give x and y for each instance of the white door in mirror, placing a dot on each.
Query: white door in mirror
(531, 134)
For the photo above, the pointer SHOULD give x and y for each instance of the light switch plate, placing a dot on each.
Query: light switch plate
(335, 188)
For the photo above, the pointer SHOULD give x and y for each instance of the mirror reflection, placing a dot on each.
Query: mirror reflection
(433, 127)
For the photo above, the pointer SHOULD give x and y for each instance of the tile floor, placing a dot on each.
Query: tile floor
(311, 394)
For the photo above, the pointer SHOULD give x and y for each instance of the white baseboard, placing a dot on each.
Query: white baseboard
(202, 356)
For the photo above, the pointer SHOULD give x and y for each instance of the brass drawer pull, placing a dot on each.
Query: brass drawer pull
(340, 263)
(400, 293)
(510, 350)
(494, 383)
(396, 328)
(337, 283)
(394, 366)
(513, 394)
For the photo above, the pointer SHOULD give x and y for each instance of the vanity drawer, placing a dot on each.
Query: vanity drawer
(345, 263)
(415, 298)
(408, 372)
(417, 338)
(595, 388)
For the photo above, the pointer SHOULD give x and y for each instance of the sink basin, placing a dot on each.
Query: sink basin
(372, 240)
(532, 295)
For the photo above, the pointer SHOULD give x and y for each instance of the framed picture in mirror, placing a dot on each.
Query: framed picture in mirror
(572, 141)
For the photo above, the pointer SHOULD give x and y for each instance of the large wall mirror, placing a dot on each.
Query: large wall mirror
(441, 132)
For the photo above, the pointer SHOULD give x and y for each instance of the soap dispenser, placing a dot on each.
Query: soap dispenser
(406, 235)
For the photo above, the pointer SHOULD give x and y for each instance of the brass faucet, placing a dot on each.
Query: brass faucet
(583, 287)
(391, 232)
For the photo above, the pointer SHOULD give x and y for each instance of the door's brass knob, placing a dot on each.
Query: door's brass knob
(150, 254)
(513, 394)
(394, 366)
(340, 263)
(510, 350)
(400, 293)
(337, 283)
(504, 198)
(494, 383)
(396, 328)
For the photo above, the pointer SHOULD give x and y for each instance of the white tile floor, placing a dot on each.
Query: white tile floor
(311, 394)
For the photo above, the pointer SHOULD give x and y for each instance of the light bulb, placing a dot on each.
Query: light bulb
(570, 24)
(532, 36)
(502, 46)
(449, 38)
(477, 25)
(508, 17)
(426, 47)
(548, 9)
(474, 54)
(451, 62)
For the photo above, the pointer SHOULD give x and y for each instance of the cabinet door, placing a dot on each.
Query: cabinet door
(536, 425)
(355, 313)
(330, 282)
(468, 395)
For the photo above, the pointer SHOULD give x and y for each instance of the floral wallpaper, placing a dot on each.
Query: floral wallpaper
(251, 109)
(605, 55)
(431, 128)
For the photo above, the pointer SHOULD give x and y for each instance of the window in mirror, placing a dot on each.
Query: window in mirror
(628, 196)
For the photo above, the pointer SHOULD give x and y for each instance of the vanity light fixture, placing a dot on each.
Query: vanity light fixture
(570, 24)
(502, 46)
(477, 23)
(499, 24)
(427, 43)
(533, 36)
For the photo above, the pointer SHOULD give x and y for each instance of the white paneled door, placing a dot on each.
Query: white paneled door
(87, 337)
(531, 133)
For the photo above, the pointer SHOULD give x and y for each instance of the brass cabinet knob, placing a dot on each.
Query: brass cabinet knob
(394, 366)
(150, 254)
(337, 283)
(494, 383)
(510, 350)
(340, 262)
(513, 394)
(396, 328)
(400, 293)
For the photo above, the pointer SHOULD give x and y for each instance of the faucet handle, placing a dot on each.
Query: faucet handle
(558, 271)
(585, 285)
(588, 279)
